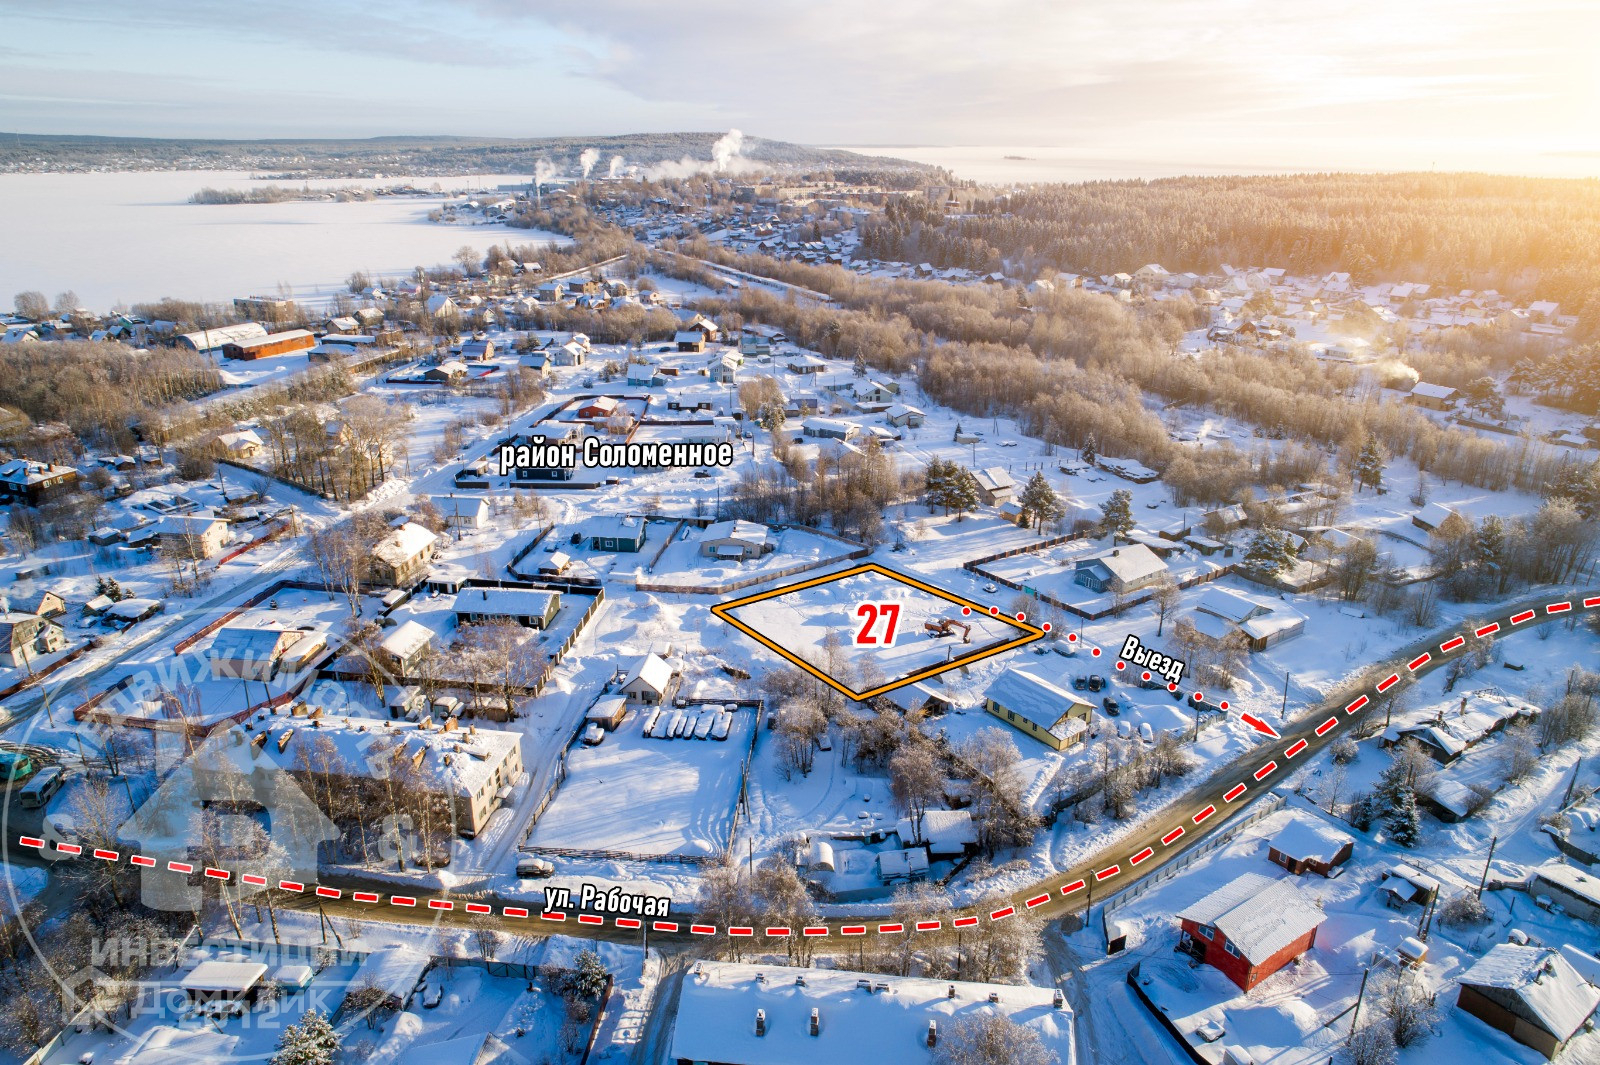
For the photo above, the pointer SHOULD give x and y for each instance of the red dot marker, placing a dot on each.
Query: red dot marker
(1172, 687)
(1199, 697)
(1095, 651)
(994, 611)
(1223, 704)
(1121, 665)
(1045, 626)
(1021, 616)
(966, 610)
(1146, 675)
(1072, 637)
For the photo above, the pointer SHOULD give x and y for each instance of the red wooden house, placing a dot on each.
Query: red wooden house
(1250, 928)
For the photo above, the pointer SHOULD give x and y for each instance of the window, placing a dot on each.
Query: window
(1203, 932)
(1229, 947)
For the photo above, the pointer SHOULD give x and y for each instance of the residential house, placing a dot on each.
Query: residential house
(1575, 890)
(463, 512)
(1221, 612)
(1403, 885)
(1432, 397)
(251, 652)
(50, 605)
(401, 558)
(1306, 843)
(194, 536)
(903, 415)
(1533, 994)
(533, 608)
(807, 365)
(210, 341)
(448, 372)
(571, 353)
(243, 445)
(995, 485)
(736, 540)
(1039, 706)
(754, 345)
(24, 638)
(689, 340)
(829, 428)
(289, 342)
(650, 682)
(615, 533)
(1120, 570)
(477, 351)
(1250, 928)
(1432, 515)
(30, 482)
(441, 306)
(404, 647)
(598, 408)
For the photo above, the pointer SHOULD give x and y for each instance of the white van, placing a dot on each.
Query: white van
(42, 788)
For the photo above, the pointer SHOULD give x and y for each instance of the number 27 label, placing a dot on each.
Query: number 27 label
(878, 622)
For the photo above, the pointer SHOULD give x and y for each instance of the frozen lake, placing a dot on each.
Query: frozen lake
(131, 237)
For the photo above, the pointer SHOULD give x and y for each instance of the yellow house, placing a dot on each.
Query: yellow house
(1039, 707)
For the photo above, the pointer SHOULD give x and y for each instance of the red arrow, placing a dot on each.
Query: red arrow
(1259, 725)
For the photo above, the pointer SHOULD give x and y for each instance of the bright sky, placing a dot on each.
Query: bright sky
(1331, 83)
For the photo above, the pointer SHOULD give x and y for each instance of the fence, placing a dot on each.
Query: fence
(976, 566)
(857, 551)
(1261, 808)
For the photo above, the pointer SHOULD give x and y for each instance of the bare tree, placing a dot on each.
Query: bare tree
(915, 781)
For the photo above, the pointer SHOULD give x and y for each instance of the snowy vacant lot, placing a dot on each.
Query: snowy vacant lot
(820, 625)
(648, 796)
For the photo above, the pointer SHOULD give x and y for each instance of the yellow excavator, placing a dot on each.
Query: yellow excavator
(947, 627)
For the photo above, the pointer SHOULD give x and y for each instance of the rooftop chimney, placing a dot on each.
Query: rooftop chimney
(761, 1022)
(816, 1021)
(1057, 1000)
(951, 993)
(933, 1033)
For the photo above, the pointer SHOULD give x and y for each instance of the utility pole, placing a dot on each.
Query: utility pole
(1484, 880)
(1356, 1013)
(1284, 708)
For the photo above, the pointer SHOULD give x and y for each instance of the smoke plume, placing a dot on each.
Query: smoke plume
(615, 166)
(586, 160)
(543, 171)
(725, 159)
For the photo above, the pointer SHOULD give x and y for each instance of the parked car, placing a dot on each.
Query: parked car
(1112, 707)
(1096, 682)
(531, 868)
(1153, 683)
(1080, 683)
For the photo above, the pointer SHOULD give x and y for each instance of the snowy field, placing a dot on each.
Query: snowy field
(646, 796)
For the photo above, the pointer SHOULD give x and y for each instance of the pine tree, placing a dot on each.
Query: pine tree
(1088, 453)
(312, 1041)
(1040, 502)
(1489, 550)
(1116, 513)
(1369, 464)
(1403, 820)
(1270, 552)
(963, 492)
(859, 366)
(937, 483)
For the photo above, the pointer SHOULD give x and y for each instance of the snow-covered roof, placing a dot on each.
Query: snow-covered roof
(1411, 875)
(1543, 979)
(228, 976)
(1571, 879)
(718, 1003)
(484, 1048)
(1038, 699)
(1128, 564)
(1259, 915)
(993, 479)
(1220, 609)
(184, 525)
(744, 532)
(407, 639)
(404, 544)
(1423, 388)
(259, 643)
(944, 831)
(653, 670)
(207, 339)
(1306, 836)
(505, 602)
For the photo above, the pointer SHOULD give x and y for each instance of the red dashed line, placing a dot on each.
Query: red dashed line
(140, 859)
(590, 918)
(332, 893)
(292, 885)
(1418, 662)
(1451, 644)
(964, 922)
(999, 915)
(1295, 748)
(1038, 900)
(105, 855)
(1108, 872)
(31, 841)
(1327, 726)
(629, 922)
(1203, 814)
(703, 929)
(853, 930)
(440, 904)
(1591, 602)
(1492, 627)
(819, 930)
(778, 932)
(478, 907)
(558, 915)
(1357, 705)
(1076, 885)
(180, 867)
(253, 880)
(1389, 682)
(1173, 836)
(1558, 608)
(890, 929)
(1233, 793)
(1518, 619)
(928, 926)
(69, 848)
(1142, 855)
(402, 900)
(217, 874)
(1266, 770)
(741, 930)
(663, 926)
(364, 896)
(517, 911)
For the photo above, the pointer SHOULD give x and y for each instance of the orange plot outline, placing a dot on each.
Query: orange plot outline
(1030, 632)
